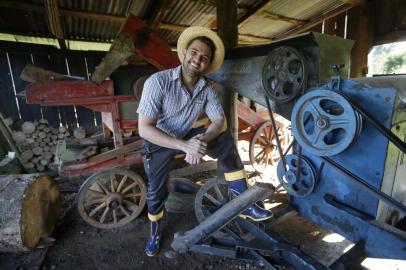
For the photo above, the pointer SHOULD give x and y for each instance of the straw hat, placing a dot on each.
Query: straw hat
(198, 31)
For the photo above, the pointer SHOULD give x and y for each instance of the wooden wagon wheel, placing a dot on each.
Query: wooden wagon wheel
(213, 195)
(263, 150)
(111, 198)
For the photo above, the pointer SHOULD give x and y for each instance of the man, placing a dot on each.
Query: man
(171, 101)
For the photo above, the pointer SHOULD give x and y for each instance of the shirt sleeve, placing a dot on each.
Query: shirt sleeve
(213, 106)
(151, 99)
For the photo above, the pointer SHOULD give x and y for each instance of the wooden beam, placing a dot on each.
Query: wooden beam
(162, 7)
(277, 17)
(359, 29)
(258, 7)
(242, 37)
(315, 21)
(54, 23)
(227, 29)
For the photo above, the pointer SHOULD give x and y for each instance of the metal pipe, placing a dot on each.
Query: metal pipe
(183, 241)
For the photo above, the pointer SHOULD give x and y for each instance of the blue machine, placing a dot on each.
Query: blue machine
(338, 201)
(347, 170)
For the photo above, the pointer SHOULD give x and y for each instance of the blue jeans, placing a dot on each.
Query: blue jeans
(157, 164)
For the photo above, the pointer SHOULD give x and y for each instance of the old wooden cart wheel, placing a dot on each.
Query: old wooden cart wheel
(111, 198)
(212, 196)
(263, 150)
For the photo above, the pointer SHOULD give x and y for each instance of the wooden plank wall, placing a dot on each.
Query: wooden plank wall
(14, 57)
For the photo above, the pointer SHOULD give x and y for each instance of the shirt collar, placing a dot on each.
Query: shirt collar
(200, 83)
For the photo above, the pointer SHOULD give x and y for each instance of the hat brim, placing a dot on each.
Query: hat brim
(198, 31)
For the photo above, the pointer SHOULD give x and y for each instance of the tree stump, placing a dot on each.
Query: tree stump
(29, 208)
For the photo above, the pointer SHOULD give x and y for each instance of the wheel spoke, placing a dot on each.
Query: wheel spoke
(124, 211)
(133, 207)
(315, 108)
(100, 184)
(94, 211)
(96, 192)
(218, 192)
(129, 195)
(316, 136)
(260, 153)
(114, 215)
(212, 199)
(122, 183)
(129, 187)
(91, 202)
(112, 182)
(103, 217)
(262, 141)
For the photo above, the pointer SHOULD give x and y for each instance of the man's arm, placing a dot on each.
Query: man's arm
(218, 125)
(148, 131)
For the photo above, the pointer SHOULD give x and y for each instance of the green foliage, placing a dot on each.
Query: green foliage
(394, 62)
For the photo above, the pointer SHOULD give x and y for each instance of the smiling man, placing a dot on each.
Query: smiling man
(171, 102)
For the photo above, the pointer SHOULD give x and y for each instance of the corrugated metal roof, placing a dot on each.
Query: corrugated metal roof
(94, 30)
(187, 13)
(302, 10)
(181, 13)
(260, 25)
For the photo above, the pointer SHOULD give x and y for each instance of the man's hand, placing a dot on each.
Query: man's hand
(195, 148)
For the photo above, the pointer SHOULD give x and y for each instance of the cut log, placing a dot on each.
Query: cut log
(29, 208)
(19, 137)
(27, 155)
(47, 155)
(37, 151)
(43, 121)
(40, 167)
(28, 127)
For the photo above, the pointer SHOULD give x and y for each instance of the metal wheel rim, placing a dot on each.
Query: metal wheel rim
(309, 104)
(282, 82)
(307, 181)
(110, 206)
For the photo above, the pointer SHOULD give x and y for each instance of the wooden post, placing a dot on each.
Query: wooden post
(227, 30)
(359, 30)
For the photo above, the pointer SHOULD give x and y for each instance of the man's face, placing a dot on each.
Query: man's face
(197, 59)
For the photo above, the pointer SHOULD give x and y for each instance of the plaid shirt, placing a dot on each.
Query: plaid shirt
(166, 100)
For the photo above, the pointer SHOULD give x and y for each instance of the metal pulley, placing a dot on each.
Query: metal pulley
(324, 123)
(297, 182)
(283, 74)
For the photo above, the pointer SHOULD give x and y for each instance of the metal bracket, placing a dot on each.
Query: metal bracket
(336, 79)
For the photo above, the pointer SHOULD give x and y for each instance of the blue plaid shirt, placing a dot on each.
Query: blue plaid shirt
(166, 100)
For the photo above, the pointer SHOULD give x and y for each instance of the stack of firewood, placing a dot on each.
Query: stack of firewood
(37, 142)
